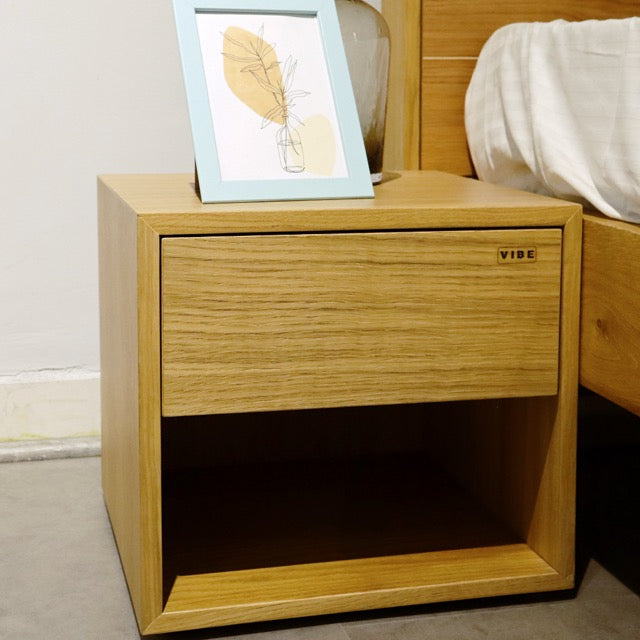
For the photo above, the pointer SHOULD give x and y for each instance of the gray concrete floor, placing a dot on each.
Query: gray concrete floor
(60, 576)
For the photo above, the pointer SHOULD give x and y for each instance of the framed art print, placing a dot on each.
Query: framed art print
(272, 111)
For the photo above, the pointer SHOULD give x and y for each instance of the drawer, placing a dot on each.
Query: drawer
(274, 322)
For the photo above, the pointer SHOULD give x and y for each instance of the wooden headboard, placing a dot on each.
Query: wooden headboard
(434, 47)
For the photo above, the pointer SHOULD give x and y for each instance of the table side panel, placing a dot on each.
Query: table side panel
(149, 420)
(552, 530)
(119, 382)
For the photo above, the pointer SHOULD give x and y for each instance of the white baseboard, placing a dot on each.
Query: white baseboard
(49, 406)
(33, 450)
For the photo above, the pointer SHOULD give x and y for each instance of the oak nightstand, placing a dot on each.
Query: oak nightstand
(325, 406)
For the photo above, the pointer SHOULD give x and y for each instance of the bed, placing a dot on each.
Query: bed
(436, 45)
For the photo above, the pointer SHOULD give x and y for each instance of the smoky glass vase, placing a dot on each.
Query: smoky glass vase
(366, 41)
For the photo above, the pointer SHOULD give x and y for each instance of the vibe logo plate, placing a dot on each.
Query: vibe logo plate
(507, 255)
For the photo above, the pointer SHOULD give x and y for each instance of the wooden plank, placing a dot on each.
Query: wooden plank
(255, 323)
(443, 142)
(402, 133)
(130, 414)
(610, 321)
(119, 382)
(148, 271)
(333, 587)
(552, 530)
(408, 199)
(460, 27)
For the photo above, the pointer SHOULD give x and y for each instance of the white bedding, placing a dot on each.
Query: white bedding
(555, 108)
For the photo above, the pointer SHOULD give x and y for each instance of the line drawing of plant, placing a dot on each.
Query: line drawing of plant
(276, 79)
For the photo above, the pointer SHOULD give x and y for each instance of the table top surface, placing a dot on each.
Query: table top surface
(404, 200)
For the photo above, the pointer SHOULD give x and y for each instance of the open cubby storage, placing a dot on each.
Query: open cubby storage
(264, 507)
(331, 406)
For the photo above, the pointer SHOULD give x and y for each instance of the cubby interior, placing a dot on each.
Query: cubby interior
(256, 490)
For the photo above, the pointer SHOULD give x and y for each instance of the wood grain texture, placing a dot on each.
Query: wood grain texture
(360, 250)
(518, 456)
(451, 37)
(129, 291)
(402, 133)
(302, 590)
(610, 322)
(443, 139)
(552, 532)
(287, 322)
(404, 200)
(148, 271)
(119, 382)
(460, 27)
(453, 34)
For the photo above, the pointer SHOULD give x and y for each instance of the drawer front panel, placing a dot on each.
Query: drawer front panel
(271, 322)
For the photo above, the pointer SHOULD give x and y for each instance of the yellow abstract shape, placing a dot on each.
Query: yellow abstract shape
(251, 69)
(319, 143)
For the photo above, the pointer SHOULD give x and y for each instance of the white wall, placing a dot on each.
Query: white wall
(86, 87)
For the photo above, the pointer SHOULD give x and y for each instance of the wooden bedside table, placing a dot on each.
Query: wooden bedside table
(317, 407)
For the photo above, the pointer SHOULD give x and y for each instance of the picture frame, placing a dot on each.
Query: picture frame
(272, 110)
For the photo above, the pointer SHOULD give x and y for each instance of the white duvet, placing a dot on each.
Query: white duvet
(555, 108)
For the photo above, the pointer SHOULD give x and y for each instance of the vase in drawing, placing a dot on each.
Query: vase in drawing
(290, 149)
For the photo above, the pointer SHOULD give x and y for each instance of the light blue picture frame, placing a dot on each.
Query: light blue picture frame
(217, 183)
